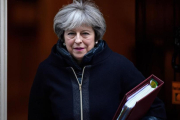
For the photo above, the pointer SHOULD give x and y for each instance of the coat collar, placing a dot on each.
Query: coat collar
(62, 57)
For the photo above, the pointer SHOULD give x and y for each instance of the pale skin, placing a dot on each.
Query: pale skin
(79, 41)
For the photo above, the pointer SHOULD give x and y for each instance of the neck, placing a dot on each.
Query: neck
(78, 62)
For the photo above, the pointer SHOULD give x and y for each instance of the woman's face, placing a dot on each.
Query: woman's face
(79, 41)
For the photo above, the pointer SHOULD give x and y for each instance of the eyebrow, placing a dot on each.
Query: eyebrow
(81, 31)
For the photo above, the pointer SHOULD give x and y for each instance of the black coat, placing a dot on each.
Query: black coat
(55, 93)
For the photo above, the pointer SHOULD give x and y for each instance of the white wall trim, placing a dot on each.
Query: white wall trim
(3, 59)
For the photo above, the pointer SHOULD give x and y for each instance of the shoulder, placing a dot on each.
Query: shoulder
(120, 60)
(45, 71)
(120, 57)
(114, 56)
(109, 56)
(131, 76)
(53, 60)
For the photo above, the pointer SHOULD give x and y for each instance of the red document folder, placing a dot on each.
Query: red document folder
(143, 105)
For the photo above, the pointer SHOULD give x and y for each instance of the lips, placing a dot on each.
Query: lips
(79, 48)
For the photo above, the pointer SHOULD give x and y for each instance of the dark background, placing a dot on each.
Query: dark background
(141, 30)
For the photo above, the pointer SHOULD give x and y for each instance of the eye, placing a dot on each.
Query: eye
(71, 33)
(85, 33)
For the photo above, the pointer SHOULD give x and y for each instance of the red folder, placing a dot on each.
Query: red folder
(143, 105)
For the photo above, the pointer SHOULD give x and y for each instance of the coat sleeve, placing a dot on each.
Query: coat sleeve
(132, 77)
(157, 110)
(38, 108)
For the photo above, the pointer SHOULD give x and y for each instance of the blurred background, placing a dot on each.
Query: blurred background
(144, 31)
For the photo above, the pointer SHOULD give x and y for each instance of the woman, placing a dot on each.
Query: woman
(82, 78)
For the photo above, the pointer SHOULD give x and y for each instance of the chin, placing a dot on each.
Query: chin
(79, 57)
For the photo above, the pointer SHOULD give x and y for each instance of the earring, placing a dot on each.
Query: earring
(64, 44)
(96, 42)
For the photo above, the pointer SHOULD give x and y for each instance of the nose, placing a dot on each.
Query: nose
(78, 39)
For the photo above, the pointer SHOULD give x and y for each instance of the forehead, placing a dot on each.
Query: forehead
(80, 28)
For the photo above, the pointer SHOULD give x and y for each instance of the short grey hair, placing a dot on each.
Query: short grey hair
(79, 13)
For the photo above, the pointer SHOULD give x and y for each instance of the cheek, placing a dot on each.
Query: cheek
(90, 44)
(68, 42)
(69, 45)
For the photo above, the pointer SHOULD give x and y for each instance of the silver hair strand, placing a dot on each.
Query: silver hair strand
(82, 12)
